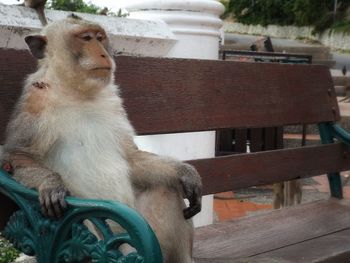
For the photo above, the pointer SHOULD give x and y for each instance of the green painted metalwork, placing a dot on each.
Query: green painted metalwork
(327, 134)
(68, 239)
(341, 134)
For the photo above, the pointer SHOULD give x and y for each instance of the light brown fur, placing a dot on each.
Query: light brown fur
(37, 99)
(70, 134)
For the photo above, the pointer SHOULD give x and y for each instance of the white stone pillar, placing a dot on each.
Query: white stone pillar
(196, 26)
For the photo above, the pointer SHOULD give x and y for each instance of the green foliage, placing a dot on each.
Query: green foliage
(343, 27)
(7, 252)
(74, 5)
(309, 12)
(317, 13)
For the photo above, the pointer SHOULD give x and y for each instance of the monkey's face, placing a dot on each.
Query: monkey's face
(88, 47)
(76, 51)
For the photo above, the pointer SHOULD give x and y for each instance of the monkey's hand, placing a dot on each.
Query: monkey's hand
(51, 197)
(192, 188)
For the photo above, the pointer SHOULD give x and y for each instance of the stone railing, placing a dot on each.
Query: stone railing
(332, 39)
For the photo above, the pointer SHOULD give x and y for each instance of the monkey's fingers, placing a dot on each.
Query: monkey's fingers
(58, 203)
(52, 202)
(194, 208)
(192, 211)
(42, 201)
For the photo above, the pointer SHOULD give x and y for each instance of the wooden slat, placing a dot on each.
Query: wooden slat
(177, 95)
(14, 66)
(243, 170)
(259, 234)
(332, 248)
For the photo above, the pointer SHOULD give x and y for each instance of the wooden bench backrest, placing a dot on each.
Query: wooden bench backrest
(181, 95)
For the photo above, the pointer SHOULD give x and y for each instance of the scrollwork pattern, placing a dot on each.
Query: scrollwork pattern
(68, 240)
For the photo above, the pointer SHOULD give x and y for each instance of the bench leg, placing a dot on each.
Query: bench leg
(335, 184)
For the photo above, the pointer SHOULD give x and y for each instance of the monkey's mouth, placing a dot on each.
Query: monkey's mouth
(101, 68)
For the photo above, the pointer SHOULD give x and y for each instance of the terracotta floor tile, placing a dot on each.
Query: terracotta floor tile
(229, 209)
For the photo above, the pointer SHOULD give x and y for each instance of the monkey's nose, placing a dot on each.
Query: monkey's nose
(104, 56)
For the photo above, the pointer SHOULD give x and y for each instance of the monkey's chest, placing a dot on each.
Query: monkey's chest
(91, 163)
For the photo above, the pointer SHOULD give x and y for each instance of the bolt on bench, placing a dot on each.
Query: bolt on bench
(183, 95)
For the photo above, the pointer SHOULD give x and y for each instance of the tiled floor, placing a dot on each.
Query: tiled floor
(231, 205)
(227, 208)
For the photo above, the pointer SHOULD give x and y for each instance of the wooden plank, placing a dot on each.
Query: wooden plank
(14, 66)
(180, 95)
(243, 170)
(333, 248)
(255, 235)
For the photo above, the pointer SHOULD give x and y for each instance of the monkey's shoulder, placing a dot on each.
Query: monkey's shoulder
(36, 97)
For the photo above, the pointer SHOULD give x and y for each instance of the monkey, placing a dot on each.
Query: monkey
(104, 11)
(287, 194)
(69, 135)
(290, 192)
(39, 6)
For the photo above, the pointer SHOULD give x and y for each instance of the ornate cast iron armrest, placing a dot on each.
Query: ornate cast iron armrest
(68, 239)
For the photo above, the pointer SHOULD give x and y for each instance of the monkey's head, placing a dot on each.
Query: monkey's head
(74, 51)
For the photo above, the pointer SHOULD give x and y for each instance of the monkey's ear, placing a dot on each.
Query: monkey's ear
(36, 44)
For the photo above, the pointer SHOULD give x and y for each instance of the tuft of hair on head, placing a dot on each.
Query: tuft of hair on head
(74, 16)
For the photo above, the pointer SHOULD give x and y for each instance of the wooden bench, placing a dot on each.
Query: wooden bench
(181, 95)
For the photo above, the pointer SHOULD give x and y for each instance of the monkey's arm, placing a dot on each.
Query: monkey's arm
(148, 170)
(32, 174)
(26, 144)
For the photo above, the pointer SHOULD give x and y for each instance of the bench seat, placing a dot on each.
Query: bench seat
(321, 228)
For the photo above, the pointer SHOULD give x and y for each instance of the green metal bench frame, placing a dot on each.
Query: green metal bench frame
(328, 132)
(68, 239)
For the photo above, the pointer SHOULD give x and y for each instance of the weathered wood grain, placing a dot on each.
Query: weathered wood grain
(255, 235)
(177, 95)
(243, 170)
(14, 66)
(332, 248)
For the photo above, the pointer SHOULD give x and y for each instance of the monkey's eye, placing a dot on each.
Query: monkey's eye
(86, 36)
(100, 36)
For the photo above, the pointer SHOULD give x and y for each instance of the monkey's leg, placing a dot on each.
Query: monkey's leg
(163, 209)
(278, 195)
(41, 14)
